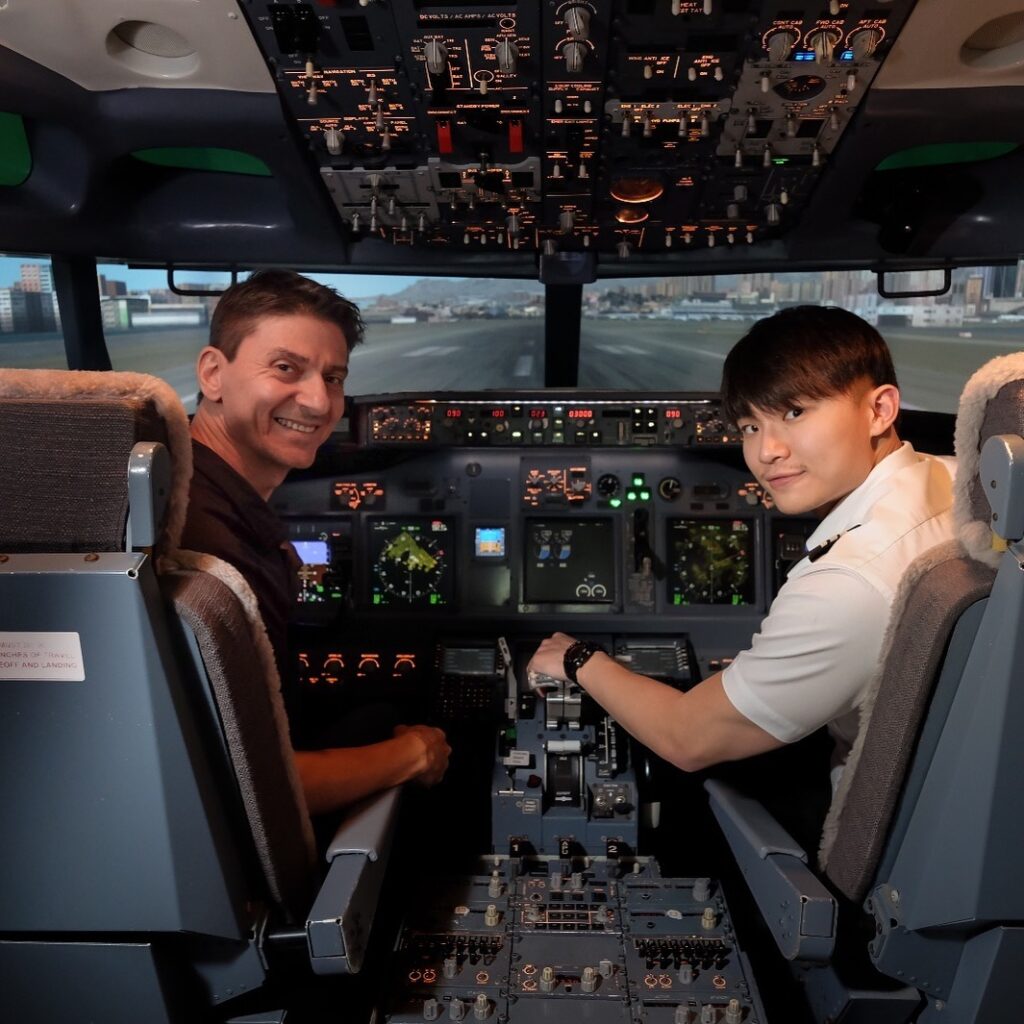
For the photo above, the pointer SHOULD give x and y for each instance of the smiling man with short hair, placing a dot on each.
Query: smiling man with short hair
(273, 386)
(813, 391)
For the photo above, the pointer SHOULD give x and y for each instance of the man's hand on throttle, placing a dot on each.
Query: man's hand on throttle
(549, 658)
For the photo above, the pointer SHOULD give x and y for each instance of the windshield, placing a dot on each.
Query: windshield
(422, 334)
(675, 332)
(447, 334)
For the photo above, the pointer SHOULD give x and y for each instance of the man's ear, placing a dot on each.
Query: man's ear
(885, 407)
(208, 373)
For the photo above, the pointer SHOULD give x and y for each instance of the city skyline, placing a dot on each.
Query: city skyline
(140, 280)
(134, 299)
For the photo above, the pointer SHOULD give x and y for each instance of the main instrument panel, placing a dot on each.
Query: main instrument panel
(533, 504)
(529, 512)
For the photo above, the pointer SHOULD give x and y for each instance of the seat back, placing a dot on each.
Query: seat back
(925, 634)
(933, 626)
(216, 604)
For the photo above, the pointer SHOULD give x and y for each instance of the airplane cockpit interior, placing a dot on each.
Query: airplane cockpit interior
(557, 218)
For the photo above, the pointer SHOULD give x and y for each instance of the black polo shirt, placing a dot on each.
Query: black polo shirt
(228, 519)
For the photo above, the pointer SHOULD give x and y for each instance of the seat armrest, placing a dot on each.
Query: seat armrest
(796, 906)
(339, 923)
(367, 826)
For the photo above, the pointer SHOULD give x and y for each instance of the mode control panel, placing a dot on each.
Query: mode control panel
(694, 420)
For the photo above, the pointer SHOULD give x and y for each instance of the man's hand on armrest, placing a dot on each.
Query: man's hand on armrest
(336, 777)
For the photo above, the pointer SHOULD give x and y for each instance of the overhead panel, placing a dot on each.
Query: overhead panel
(615, 126)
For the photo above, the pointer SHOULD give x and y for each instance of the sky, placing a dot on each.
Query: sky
(356, 286)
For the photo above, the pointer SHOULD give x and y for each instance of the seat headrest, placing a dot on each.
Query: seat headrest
(992, 403)
(67, 438)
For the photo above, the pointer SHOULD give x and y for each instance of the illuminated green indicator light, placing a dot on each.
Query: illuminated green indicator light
(434, 598)
(677, 599)
(736, 599)
(645, 495)
(638, 481)
(376, 598)
(615, 502)
(631, 495)
(780, 161)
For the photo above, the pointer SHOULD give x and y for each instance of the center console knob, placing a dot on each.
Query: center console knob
(780, 45)
(575, 53)
(507, 53)
(823, 43)
(865, 42)
(436, 55)
(577, 22)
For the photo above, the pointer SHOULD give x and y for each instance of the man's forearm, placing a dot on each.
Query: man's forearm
(692, 730)
(336, 777)
(646, 709)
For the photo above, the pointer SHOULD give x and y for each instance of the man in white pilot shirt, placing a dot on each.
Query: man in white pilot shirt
(814, 393)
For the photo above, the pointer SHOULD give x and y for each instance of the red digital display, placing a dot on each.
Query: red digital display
(453, 414)
(538, 414)
(673, 414)
(581, 414)
(497, 414)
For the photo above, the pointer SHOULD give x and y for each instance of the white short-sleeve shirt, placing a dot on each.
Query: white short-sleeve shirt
(818, 647)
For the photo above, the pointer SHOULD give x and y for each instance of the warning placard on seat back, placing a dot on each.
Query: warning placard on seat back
(55, 657)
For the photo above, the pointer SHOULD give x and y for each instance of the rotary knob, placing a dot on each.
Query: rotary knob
(780, 45)
(507, 53)
(823, 42)
(577, 22)
(865, 42)
(670, 488)
(333, 141)
(436, 55)
(575, 53)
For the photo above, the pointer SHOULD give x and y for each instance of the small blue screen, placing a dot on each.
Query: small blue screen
(490, 542)
(312, 552)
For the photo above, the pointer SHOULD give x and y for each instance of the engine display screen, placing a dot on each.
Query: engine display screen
(712, 561)
(410, 562)
(569, 561)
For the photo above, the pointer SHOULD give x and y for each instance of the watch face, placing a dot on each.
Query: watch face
(576, 657)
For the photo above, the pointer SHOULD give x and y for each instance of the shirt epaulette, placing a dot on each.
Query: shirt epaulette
(823, 549)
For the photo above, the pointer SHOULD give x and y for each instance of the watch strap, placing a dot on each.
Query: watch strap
(576, 656)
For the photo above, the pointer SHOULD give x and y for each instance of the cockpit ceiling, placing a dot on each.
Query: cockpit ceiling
(589, 138)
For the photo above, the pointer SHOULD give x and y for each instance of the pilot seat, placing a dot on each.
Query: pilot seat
(157, 849)
(917, 912)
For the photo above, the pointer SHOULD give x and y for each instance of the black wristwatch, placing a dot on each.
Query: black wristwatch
(577, 656)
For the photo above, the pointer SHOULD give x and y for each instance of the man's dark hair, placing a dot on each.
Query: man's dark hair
(803, 352)
(279, 293)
